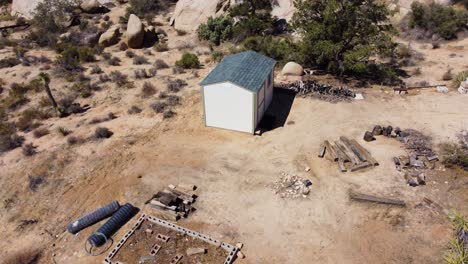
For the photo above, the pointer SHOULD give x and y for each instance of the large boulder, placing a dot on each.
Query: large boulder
(135, 32)
(189, 14)
(93, 7)
(292, 68)
(25, 8)
(110, 37)
(283, 9)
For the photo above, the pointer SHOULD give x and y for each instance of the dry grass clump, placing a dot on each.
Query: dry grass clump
(148, 90)
(161, 47)
(8, 138)
(159, 107)
(74, 140)
(130, 54)
(123, 46)
(134, 110)
(160, 64)
(140, 60)
(118, 78)
(114, 61)
(40, 132)
(176, 85)
(103, 78)
(142, 74)
(95, 69)
(64, 131)
(98, 120)
(177, 70)
(29, 117)
(169, 114)
(103, 132)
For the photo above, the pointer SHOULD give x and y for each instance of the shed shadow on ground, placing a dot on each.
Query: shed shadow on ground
(277, 113)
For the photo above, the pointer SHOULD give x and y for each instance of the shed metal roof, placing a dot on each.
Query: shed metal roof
(247, 69)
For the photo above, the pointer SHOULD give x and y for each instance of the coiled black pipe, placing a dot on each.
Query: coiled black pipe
(100, 237)
(93, 217)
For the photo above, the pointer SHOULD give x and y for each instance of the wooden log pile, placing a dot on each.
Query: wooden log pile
(322, 91)
(349, 154)
(174, 202)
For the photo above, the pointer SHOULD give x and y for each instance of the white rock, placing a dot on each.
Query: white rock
(135, 32)
(292, 68)
(110, 37)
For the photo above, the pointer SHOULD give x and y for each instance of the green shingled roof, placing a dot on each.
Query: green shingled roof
(247, 69)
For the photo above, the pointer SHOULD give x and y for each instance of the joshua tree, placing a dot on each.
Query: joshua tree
(45, 79)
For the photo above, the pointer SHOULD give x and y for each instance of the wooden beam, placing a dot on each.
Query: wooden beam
(366, 152)
(375, 199)
(361, 166)
(353, 148)
(331, 151)
(322, 150)
(354, 159)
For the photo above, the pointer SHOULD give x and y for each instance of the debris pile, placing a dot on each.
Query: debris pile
(321, 91)
(174, 202)
(292, 186)
(420, 154)
(348, 154)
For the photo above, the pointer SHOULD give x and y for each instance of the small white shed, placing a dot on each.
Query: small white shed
(238, 91)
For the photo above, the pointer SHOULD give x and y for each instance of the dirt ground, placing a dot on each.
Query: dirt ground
(235, 171)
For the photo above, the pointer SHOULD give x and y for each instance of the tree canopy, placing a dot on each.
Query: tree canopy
(342, 35)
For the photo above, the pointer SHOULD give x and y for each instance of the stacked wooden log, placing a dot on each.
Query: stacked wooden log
(322, 91)
(348, 154)
(174, 202)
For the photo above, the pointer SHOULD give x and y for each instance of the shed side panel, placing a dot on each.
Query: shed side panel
(228, 106)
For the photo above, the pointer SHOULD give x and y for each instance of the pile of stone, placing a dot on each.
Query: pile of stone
(174, 202)
(322, 91)
(292, 186)
(419, 158)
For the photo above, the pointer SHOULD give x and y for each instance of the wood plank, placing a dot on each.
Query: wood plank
(361, 166)
(362, 157)
(341, 154)
(322, 150)
(354, 159)
(366, 152)
(331, 151)
(375, 199)
(341, 166)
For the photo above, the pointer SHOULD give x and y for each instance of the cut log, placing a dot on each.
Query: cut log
(354, 159)
(331, 151)
(341, 154)
(354, 149)
(375, 199)
(361, 166)
(365, 152)
(322, 150)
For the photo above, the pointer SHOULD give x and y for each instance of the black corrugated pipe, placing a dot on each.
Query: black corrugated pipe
(92, 218)
(118, 219)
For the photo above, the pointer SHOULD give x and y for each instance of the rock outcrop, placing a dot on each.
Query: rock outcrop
(93, 7)
(110, 37)
(25, 8)
(135, 32)
(293, 69)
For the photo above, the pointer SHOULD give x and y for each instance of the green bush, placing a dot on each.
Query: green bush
(216, 30)
(188, 61)
(436, 18)
(71, 56)
(280, 49)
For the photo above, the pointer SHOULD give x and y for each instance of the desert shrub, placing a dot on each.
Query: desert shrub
(9, 62)
(40, 132)
(445, 21)
(114, 61)
(280, 49)
(461, 77)
(74, 140)
(130, 54)
(160, 64)
(16, 96)
(84, 89)
(159, 107)
(188, 61)
(143, 8)
(68, 60)
(172, 100)
(106, 55)
(457, 252)
(217, 55)
(134, 110)
(95, 69)
(140, 60)
(8, 138)
(123, 46)
(98, 120)
(24, 256)
(216, 30)
(29, 149)
(161, 47)
(63, 131)
(152, 72)
(141, 74)
(103, 132)
(181, 32)
(169, 114)
(447, 76)
(28, 118)
(417, 71)
(103, 78)
(118, 78)
(175, 85)
(148, 89)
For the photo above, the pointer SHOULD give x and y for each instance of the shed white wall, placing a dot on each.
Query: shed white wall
(264, 98)
(229, 106)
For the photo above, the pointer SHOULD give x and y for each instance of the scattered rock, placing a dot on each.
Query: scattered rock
(135, 32)
(110, 37)
(292, 68)
(368, 136)
(291, 186)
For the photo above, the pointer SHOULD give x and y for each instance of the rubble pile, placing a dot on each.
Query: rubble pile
(174, 202)
(291, 186)
(420, 157)
(321, 91)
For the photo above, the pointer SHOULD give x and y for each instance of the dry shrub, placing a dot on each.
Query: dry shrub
(140, 60)
(64, 131)
(134, 110)
(148, 90)
(173, 100)
(103, 78)
(160, 64)
(24, 256)
(74, 140)
(168, 114)
(118, 78)
(29, 149)
(103, 132)
(40, 132)
(161, 47)
(159, 107)
(176, 85)
(130, 54)
(141, 74)
(95, 69)
(123, 46)
(114, 61)
(177, 70)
